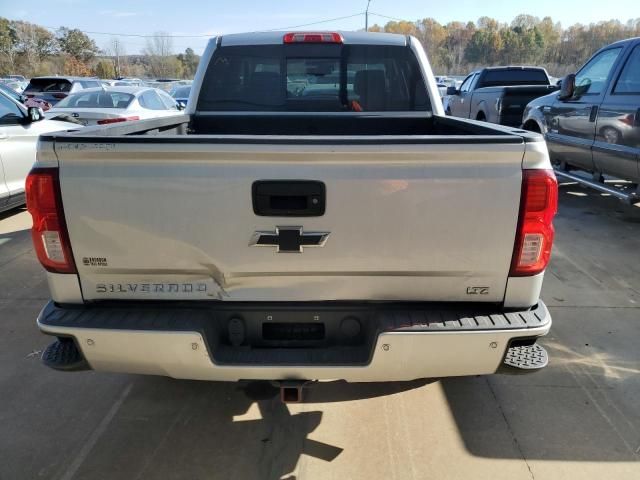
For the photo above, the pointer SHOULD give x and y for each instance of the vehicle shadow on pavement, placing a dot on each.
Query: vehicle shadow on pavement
(187, 429)
(558, 421)
(582, 407)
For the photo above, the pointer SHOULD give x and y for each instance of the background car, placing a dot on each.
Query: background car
(19, 78)
(54, 89)
(181, 94)
(134, 82)
(101, 106)
(442, 89)
(123, 82)
(21, 98)
(19, 131)
(7, 90)
(14, 84)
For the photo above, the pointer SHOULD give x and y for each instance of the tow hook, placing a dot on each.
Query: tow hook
(291, 390)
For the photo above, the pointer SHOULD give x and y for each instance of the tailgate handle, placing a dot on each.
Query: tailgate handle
(288, 198)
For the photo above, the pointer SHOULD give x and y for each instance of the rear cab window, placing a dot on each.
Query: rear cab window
(313, 78)
(496, 78)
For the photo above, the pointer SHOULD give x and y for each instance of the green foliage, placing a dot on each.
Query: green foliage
(189, 62)
(456, 48)
(7, 46)
(77, 44)
(7, 35)
(105, 69)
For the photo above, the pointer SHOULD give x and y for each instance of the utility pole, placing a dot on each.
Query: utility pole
(366, 17)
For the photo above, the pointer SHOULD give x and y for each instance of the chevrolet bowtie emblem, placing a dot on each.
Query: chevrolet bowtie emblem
(289, 239)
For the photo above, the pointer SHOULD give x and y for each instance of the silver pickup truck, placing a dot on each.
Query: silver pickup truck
(315, 215)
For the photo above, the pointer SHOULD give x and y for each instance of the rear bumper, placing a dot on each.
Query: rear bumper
(400, 342)
(511, 120)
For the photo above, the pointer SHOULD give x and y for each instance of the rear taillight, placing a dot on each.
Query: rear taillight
(534, 237)
(59, 95)
(107, 121)
(628, 119)
(49, 231)
(315, 37)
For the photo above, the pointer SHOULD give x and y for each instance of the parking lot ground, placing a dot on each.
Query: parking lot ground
(577, 419)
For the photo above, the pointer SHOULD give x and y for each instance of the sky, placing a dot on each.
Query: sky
(202, 19)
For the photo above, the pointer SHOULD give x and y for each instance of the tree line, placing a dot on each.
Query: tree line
(32, 50)
(454, 48)
(457, 48)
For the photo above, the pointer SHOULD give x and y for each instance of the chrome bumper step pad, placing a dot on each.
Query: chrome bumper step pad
(526, 357)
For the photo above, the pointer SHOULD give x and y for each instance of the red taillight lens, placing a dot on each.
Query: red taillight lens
(59, 95)
(107, 121)
(628, 119)
(315, 37)
(534, 238)
(49, 231)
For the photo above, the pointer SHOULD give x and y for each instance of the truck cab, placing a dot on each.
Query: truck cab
(593, 123)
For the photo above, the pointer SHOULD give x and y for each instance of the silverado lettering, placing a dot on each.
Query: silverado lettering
(150, 287)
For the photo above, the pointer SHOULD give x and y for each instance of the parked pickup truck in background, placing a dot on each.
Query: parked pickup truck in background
(593, 123)
(313, 216)
(498, 94)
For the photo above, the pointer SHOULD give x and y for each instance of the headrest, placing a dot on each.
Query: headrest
(366, 80)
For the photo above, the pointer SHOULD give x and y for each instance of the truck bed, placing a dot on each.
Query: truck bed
(201, 127)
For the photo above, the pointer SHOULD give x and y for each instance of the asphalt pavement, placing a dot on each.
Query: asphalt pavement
(577, 419)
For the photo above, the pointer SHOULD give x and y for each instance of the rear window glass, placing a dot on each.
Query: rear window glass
(323, 78)
(494, 78)
(96, 100)
(181, 92)
(48, 85)
(151, 101)
(90, 84)
(168, 100)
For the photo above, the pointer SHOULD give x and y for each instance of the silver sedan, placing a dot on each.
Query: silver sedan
(101, 106)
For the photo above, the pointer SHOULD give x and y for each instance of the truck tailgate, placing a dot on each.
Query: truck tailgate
(426, 221)
(516, 98)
